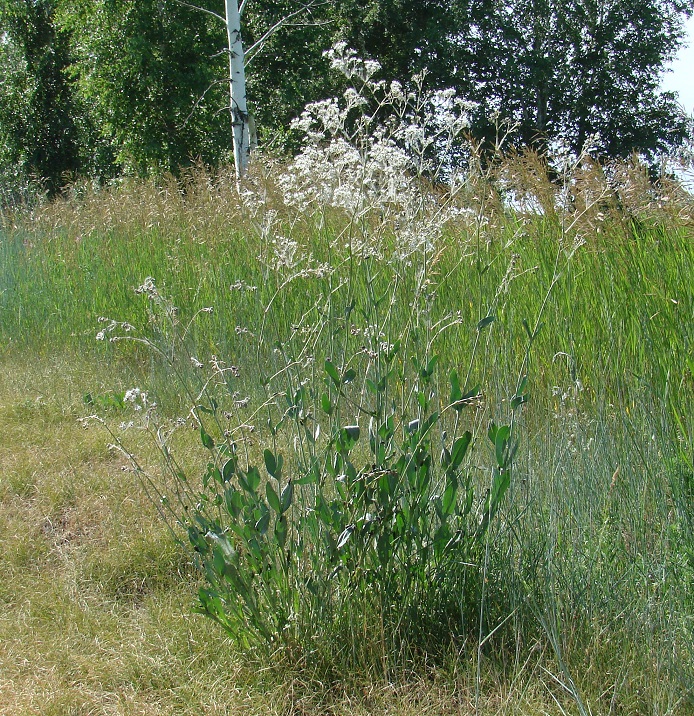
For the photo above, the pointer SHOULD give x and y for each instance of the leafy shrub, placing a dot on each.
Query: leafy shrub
(357, 534)
(347, 538)
(348, 534)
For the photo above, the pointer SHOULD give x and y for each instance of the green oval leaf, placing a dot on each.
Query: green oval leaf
(456, 392)
(253, 479)
(326, 404)
(270, 462)
(518, 400)
(286, 498)
(485, 322)
(272, 498)
(344, 536)
(207, 441)
(460, 447)
(331, 370)
(281, 531)
(263, 523)
(500, 441)
(448, 502)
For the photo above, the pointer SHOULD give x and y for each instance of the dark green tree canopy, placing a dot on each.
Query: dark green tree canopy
(38, 129)
(100, 87)
(149, 76)
(571, 70)
(406, 37)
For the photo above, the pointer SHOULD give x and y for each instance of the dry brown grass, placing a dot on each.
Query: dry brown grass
(587, 195)
(96, 597)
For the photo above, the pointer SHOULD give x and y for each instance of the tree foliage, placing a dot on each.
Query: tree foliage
(38, 131)
(148, 74)
(572, 70)
(100, 87)
(406, 37)
(287, 70)
(556, 70)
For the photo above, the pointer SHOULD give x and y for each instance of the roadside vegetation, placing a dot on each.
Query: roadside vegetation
(422, 447)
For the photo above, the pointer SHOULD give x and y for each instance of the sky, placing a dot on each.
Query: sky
(681, 79)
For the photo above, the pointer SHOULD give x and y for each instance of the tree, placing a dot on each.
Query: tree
(108, 86)
(151, 74)
(557, 70)
(145, 73)
(405, 36)
(238, 105)
(616, 52)
(38, 134)
(286, 67)
(573, 70)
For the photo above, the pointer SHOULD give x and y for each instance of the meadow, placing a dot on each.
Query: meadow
(566, 314)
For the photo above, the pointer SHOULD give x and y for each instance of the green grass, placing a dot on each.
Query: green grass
(621, 311)
(593, 557)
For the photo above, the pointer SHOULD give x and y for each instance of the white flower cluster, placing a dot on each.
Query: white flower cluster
(340, 175)
(241, 285)
(106, 332)
(377, 152)
(345, 60)
(149, 289)
(138, 399)
(285, 253)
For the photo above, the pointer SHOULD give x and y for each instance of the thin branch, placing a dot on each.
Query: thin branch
(199, 100)
(221, 110)
(277, 26)
(201, 9)
(320, 23)
(223, 51)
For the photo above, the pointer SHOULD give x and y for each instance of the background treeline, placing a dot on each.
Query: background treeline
(99, 88)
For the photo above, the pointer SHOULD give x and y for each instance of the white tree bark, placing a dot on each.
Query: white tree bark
(239, 111)
(243, 127)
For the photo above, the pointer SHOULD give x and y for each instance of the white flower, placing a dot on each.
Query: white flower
(137, 397)
(148, 288)
(285, 253)
(132, 395)
(396, 90)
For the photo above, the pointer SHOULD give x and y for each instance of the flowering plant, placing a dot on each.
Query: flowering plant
(380, 150)
(356, 494)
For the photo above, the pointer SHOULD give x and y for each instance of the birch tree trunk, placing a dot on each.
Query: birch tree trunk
(239, 111)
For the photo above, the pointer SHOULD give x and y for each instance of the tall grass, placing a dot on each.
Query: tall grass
(624, 306)
(586, 578)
